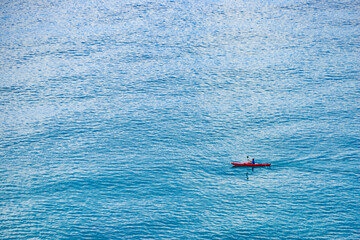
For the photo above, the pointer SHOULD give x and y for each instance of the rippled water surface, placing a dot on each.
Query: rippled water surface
(120, 119)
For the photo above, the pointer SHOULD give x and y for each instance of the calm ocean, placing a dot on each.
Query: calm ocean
(120, 119)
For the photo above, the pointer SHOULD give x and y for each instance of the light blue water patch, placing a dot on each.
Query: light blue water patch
(119, 120)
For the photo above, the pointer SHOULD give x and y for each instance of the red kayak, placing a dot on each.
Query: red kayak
(251, 165)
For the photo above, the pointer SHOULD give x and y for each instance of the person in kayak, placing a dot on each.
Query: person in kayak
(248, 159)
(253, 161)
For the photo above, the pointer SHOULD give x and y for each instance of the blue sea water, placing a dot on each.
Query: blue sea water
(120, 119)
